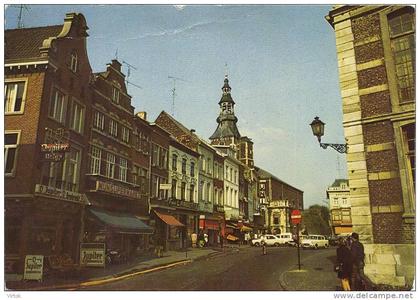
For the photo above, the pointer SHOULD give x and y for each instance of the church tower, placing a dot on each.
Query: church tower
(226, 134)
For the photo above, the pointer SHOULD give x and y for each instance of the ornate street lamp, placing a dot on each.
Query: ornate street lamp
(318, 130)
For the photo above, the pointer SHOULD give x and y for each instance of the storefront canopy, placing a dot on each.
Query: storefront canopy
(168, 219)
(122, 222)
(246, 228)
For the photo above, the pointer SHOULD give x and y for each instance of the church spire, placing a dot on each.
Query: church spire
(226, 132)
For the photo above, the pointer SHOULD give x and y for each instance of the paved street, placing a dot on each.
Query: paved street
(246, 269)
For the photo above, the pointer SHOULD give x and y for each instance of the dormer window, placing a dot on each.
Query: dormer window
(115, 95)
(73, 62)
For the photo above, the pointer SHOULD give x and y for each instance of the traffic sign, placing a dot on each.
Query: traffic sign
(296, 216)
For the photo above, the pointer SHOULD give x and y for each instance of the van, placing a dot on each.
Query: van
(315, 241)
(285, 238)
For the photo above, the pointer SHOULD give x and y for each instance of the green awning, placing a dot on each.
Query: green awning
(123, 223)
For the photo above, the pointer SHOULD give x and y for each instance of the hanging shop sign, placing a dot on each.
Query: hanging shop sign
(33, 267)
(107, 187)
(52, 192)
(92, 254)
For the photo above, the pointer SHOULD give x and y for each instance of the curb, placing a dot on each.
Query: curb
(108, 279)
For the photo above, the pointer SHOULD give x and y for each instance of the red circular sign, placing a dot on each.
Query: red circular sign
(296, 217)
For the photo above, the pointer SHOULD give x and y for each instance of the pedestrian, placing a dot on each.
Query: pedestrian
(206, 239)
(358, 279)
(344, 264)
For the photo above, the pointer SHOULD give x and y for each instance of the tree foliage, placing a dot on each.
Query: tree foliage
(316, 220)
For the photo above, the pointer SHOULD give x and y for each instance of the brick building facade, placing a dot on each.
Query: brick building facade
(47, 97)
(376, 59)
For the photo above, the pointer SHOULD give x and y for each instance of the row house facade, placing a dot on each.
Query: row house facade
(183, 176)
(338, 195)
(47, 101)
(276, 201)
(376, 62)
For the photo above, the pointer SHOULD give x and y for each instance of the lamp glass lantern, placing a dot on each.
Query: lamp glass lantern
(318, 128)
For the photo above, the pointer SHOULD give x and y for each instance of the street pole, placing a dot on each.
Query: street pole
(298, 245)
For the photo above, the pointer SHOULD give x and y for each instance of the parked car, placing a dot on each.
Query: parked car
(267, 239)
(315, 241)
(285, 238)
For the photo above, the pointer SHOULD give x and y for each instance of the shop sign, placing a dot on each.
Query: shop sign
(92, 254)
(33, 267)
(219, 208)
(54, 152)
(49, 191)
(183, 204)
(55, 147)
(111, 188)
(165, 186)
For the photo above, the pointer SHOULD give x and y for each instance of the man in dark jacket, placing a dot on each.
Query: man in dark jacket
(358, 257)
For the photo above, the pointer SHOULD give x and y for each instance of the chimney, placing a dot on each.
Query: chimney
(142, 115)
(192, 130)
(116, 65)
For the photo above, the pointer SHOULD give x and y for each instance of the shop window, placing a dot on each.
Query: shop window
(99, 120)
(57, 108)
(110, 165)
(402, 30)
(78, 113)
(14, 97)
(11, 142)
(123, 169)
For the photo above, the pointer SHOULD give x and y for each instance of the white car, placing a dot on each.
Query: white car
(267, 239)
(314, 241)
(285, 238)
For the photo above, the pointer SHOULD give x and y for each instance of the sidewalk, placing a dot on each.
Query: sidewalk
(94, 276)
(316, 274)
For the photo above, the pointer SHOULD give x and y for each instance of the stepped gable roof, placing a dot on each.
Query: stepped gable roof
(338, 182)
(24, 43)
(261, 173)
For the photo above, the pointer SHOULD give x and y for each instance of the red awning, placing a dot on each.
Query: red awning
(168, 219)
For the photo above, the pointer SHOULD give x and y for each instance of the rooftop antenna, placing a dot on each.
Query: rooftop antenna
(174, 91)
(116, 54)
(129, 67)
(20, 16)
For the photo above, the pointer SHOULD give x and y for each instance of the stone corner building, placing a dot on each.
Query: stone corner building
(376, 62)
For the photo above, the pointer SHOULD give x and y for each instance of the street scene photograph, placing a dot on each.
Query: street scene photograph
(209, 148)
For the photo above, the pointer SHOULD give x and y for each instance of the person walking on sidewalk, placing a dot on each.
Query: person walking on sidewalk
(358, 279)
(344, 264)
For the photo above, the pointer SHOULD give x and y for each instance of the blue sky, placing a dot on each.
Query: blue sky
(282, 67)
